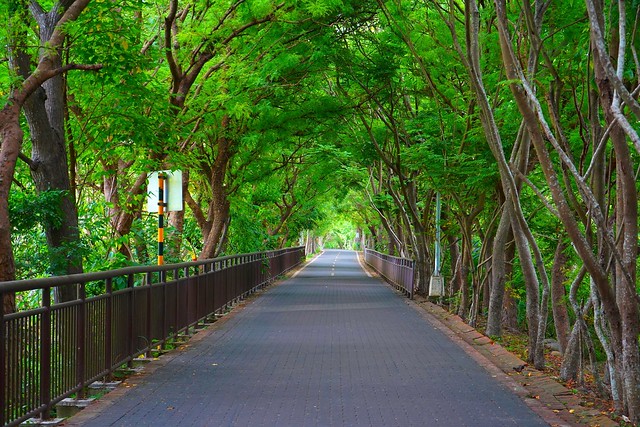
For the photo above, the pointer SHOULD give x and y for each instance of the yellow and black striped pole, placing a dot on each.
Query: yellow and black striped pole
(161, 205)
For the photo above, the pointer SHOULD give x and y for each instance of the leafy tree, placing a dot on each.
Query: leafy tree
(19, 90)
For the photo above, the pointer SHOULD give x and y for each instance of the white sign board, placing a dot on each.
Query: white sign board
(172, 191)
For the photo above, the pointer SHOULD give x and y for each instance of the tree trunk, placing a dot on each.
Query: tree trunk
(510, 305)
(498, 273)
(49, 171)
(454, 254)
(123, 213)
(572, 354)
(626, 296)
(44, 111)
(462, 276)
(558, 296)
(533, 114)
(218, 214)
(626, 352)
(10, 142)
(510, 310)
(532, 294)
(176, 223)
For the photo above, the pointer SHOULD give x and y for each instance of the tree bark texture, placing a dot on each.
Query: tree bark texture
(558, 296)
(45, 113)
(454, 256)
(498, 273)
(10, 142)
(49, 171)
(218, 213)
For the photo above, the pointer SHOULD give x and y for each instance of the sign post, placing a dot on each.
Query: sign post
(161, 205)
(164, 195)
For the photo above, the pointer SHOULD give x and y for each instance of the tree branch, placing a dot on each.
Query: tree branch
(606, 61)
(44, 73)
(45, 70)
(27, 160)
(535, 189)
(174, 67)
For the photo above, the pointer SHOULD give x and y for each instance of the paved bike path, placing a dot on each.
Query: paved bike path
(328, 347)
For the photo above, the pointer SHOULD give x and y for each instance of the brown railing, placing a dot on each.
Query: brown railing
(397, 271)
(57, 350)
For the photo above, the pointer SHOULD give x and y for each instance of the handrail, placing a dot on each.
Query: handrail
(55, 281)
(56, 350)
(397, 271)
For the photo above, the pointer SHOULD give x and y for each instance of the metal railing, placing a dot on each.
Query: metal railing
(57, 350)
(397, 271)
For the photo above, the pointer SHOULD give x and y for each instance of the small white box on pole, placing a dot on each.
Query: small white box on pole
(436, 286)
(172, 191)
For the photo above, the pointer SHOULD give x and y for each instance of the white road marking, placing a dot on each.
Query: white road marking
(305, 266)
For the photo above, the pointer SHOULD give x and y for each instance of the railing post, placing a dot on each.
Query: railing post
(165, 317)
(176, 305)
(108, 328)
(45, 354)
(149, 317)
(3, 365)
(192, 303)
(130, 313)
(81, 337)
(412, 274)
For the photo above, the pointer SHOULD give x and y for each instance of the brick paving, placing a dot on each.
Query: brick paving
(328, 347)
